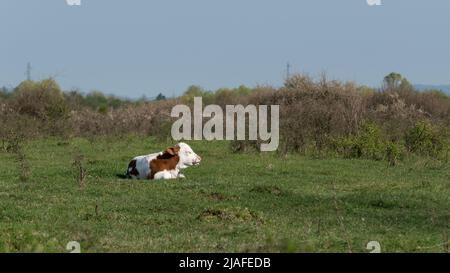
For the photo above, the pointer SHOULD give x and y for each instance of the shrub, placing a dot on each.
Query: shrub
(42, 100)
(394, 153)
(367, 143)
(424, 139)
(318, 116)
(312, 112)
(392, 113)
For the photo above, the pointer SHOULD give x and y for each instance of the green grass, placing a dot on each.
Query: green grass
(230, 203)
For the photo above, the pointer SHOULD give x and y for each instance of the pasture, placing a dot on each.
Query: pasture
(232, 202)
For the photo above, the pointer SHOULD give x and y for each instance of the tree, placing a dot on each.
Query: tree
(4, 92)
(406, 85)
(396, 82)
(160, 97)
(392, 81)
(243, 90)
(196, 91)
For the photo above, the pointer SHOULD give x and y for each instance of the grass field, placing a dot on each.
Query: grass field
(230, 203)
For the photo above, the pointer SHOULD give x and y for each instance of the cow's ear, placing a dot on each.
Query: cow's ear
(172, 150)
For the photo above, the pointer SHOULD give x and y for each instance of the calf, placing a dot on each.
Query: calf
(163, 165)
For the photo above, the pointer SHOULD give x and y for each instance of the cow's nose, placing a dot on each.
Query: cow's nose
(199, 158)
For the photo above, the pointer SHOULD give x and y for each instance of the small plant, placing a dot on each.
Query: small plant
(13, 145)
(24, 166)
(394, 152)
(80, 170)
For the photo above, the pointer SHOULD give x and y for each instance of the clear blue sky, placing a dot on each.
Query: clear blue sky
(131, 48)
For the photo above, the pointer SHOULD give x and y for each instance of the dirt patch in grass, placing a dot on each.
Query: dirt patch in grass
(218, 196)
(230, 215)
(270, 189)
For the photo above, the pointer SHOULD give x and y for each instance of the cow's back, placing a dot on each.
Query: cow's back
(139, 167)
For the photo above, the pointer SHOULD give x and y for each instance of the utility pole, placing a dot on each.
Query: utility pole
(288, 71)
(28, 71)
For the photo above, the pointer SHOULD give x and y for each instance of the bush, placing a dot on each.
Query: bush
(425, 139)
(312, 112)
(394, 153)
(367, 143)
(42, 100)
(317, 116)
(151, 118)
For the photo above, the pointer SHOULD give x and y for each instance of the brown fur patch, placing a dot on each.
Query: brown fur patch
(164, 156)
(169, 153)
(158, 165)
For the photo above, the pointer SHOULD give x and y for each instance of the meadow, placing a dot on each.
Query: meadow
(232, 202)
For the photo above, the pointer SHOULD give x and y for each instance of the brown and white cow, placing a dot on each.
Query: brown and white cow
(163, 165)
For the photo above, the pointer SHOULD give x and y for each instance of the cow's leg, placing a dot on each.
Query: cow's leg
(168, 175)
(163, 175)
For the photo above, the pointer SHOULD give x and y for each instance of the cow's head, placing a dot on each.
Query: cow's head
(184, 152)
